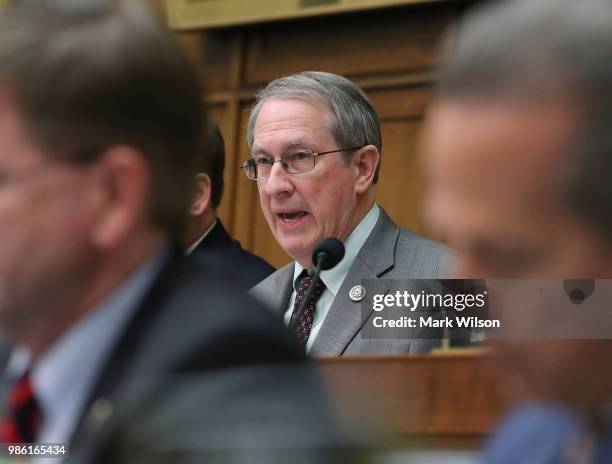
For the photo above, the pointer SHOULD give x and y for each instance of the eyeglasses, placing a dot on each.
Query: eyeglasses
(295, 161)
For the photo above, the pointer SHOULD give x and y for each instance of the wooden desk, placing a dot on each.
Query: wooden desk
(441, 400)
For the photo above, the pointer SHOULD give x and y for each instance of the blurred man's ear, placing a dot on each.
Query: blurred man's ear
(365, 160)
(121, 184)
(201, 195)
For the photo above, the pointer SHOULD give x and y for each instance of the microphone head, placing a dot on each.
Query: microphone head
(328, 253)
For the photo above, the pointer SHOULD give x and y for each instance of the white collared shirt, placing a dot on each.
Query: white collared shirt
(195, 244)
(334, 277)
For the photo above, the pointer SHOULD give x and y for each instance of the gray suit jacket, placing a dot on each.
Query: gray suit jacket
(390, 252)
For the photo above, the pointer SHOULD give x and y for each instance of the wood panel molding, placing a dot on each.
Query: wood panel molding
(209, 14)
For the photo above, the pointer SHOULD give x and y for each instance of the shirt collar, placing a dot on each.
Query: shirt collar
(195, 244)
(64, 375)
(334, 277)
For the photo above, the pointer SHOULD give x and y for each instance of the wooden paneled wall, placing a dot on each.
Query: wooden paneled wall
(390, 53)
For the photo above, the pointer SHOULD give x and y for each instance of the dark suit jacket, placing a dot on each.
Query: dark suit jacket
(197, 370)
(219, 246)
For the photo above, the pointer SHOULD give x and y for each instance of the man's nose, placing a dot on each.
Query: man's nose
(279, 181)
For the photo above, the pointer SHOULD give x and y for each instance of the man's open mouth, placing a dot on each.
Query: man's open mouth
(291, 217)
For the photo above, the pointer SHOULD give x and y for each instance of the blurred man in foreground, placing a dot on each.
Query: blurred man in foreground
(315, 146)
(205, 236)
(100, 121)
(520, 156)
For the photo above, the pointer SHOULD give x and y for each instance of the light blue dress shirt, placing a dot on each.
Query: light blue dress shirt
(334, 277)
(64, 376)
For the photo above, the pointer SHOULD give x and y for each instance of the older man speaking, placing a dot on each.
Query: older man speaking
(315, 145)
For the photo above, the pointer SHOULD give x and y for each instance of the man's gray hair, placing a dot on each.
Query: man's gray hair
(353, 122)
(544, 50)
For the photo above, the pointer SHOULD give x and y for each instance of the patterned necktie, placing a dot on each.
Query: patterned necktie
(303, 324)
(21, 419)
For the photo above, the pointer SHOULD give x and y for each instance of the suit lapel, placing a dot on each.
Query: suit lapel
(280, 289)
(117, 376)
(345, 317)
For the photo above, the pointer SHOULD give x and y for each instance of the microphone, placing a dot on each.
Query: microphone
(326, 255)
